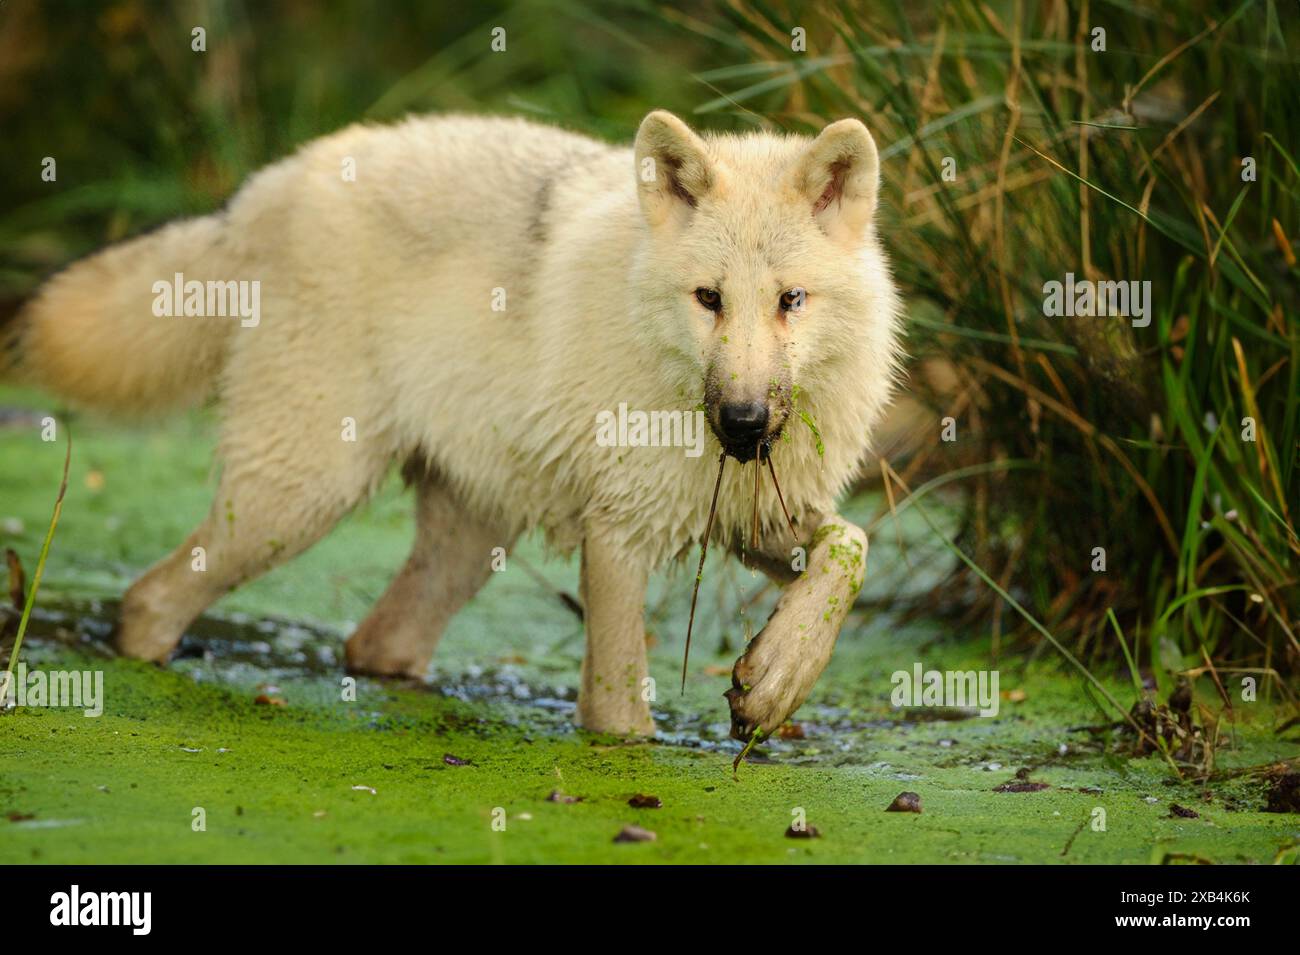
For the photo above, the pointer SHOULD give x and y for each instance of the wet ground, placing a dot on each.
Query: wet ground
(252, 746)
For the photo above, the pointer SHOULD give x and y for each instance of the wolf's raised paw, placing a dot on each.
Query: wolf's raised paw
(780, 666)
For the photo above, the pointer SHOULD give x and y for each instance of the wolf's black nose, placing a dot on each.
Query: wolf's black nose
(743, 423)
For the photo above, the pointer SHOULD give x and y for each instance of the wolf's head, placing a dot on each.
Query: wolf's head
(758, 264)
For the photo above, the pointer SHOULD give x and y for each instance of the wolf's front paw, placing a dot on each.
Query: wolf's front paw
(759, 701)
(781, 665)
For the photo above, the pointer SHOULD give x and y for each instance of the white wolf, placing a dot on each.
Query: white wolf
(464, 296)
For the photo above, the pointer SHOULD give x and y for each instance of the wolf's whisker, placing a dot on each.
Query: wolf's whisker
(758, 468)
(699, 573)
(780, 497)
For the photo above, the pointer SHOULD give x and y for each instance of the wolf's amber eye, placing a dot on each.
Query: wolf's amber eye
(710, 298)
(792, 300)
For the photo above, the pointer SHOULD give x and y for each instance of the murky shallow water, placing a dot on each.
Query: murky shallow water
(249, 652)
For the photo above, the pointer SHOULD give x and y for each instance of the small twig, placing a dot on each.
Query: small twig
(699, 573)
(885, 471)
(1223, 694)
(564, 596)
(753, 739)
(1079, 122)
(17, 580)
(1070, 842)
(780, 497)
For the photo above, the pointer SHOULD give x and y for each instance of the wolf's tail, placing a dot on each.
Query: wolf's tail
(91, 335)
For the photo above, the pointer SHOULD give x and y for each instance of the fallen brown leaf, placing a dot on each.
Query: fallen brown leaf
(790, 731)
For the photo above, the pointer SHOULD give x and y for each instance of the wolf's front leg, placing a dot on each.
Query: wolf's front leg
(781, 664)
(612, 698)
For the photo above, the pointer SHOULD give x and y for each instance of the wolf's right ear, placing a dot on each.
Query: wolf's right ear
(673, 171)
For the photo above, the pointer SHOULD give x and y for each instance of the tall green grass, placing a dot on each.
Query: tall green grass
(1125, 164)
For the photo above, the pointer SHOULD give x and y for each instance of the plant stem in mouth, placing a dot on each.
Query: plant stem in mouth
(780, 497)
(699, 573)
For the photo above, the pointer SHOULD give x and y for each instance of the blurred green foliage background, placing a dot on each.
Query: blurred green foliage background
(143, 128)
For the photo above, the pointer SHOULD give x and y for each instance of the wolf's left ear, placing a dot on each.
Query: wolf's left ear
(838, 177)
(673, 169)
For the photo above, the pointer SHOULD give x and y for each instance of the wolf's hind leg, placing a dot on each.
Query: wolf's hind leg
(272, 503)
(450, 561)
